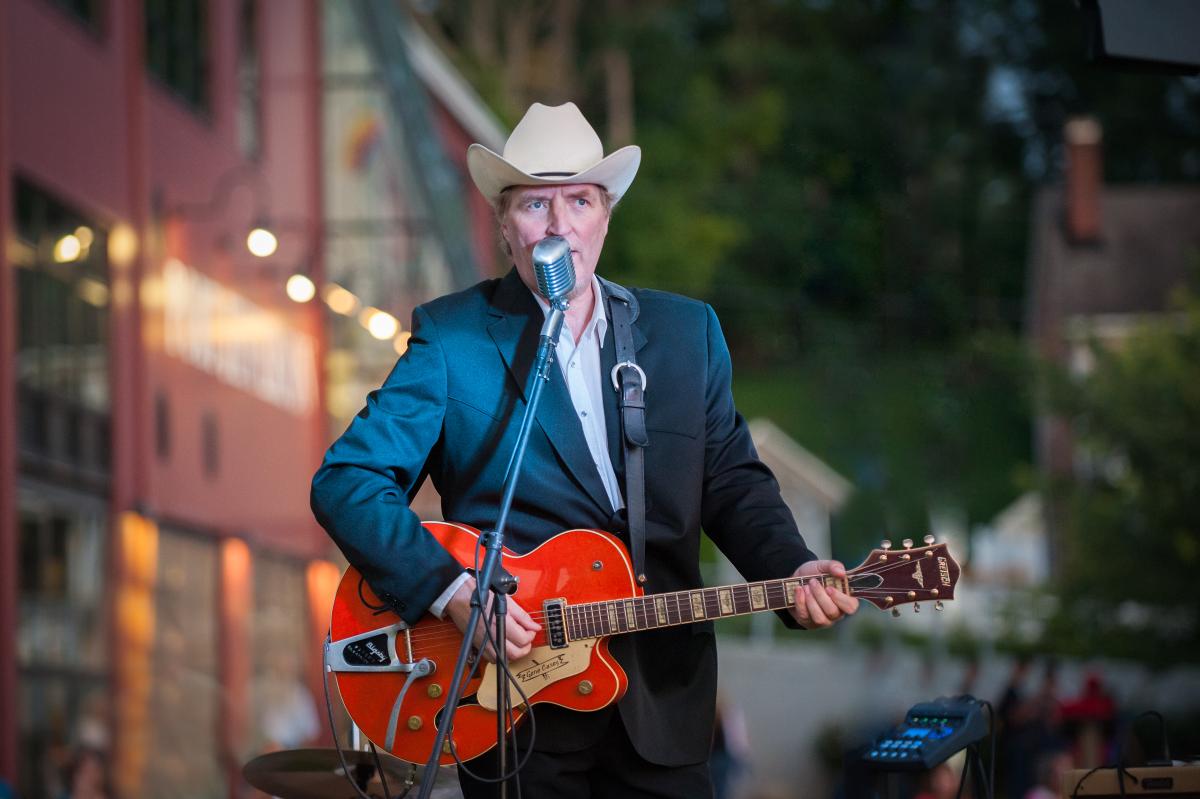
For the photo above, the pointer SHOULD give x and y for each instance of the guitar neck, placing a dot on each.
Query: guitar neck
(612, 617)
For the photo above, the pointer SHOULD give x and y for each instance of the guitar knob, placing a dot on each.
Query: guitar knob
(916, 607)
(885, 544)
(895, 613)
(929, 539)
(938, 605)
(908, 543)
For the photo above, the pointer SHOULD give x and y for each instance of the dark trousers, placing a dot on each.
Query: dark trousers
(610, 769)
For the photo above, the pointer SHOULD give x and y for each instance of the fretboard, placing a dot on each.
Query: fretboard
(597, 619)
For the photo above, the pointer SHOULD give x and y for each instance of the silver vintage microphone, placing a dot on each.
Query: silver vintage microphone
(555, 273)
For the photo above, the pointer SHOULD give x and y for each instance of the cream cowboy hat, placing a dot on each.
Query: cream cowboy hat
(552, 146)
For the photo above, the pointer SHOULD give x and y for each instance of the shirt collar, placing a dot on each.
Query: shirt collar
(599, 318)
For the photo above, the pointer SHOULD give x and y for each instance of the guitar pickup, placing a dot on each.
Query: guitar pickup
(555, 622)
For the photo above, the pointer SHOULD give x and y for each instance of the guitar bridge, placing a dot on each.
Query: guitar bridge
(554, 618)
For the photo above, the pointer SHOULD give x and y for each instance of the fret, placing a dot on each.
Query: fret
(741, 599)
(683, 607)
(573, 630)
(613, 626)
(673, 609)
(660, 611)
(758, 597)
(698, 605)
(630, 620)
(597, 619)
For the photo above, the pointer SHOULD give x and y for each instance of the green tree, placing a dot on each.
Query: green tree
(1132, 534)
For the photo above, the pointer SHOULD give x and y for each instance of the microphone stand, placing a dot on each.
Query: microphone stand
(493, 575)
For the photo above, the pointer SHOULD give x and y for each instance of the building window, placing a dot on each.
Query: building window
(62, 637)
(63, 402)
(177, 48)
(185, 688)
(86, 11)
(249, 82)
(162, 426)
(210, 444)
(285, 714)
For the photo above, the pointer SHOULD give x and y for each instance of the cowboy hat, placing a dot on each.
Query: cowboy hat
(552, 146)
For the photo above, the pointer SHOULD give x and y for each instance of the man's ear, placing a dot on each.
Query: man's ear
(505, 232)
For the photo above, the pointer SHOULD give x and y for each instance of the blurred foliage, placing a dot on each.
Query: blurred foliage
(849, 184)
(934, 427)
(1131, 535)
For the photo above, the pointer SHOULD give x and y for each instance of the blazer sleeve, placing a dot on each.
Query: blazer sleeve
(742, 510)
(362, 490)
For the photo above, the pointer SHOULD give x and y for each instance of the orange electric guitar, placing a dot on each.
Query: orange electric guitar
(580, 587)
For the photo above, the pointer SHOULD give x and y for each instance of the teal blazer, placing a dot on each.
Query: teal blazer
(450, 410)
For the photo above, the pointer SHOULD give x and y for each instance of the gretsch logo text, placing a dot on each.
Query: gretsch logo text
(944, 571)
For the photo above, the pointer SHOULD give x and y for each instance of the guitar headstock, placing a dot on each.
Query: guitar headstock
(891, 577)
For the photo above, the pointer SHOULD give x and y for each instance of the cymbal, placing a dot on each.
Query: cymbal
(318, 774)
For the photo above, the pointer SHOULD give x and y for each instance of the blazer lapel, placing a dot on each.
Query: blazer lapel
(515, 332)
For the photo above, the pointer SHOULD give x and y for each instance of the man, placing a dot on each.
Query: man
(450, 410)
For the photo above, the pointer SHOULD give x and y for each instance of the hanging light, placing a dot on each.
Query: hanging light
(68, 249)
(380, 324)
(261, 241)
(340, 300)
(300, 288)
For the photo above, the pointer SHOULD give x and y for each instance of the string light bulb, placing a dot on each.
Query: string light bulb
(300, 288)
(261, 242)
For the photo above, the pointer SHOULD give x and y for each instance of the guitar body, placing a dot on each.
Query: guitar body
(577, 565)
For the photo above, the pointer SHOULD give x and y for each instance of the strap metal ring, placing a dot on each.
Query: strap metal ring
(631, 365)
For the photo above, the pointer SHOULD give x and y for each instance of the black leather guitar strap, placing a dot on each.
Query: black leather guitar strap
(629, 381)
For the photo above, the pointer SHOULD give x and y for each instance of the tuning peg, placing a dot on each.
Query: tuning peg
(939, 605)
(907, 543)
(895, 613)
(885, 544)
(916, 607)
(929, 539)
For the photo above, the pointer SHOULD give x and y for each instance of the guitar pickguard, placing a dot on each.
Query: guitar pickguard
(540, 668)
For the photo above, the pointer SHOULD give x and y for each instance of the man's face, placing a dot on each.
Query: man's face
(575, 211)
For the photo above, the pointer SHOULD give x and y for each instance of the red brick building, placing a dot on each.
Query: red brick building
(163, 588)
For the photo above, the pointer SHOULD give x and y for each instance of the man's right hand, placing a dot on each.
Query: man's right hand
(519, 627)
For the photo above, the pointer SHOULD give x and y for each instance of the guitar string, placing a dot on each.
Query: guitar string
(680, 599)
(683, 599)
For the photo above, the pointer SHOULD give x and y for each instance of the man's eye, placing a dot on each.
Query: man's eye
(581, 202)
(536, 205)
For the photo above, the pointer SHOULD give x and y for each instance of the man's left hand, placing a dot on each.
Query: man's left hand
(818, 605)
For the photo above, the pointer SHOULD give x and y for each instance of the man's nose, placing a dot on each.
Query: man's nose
(556, 219)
